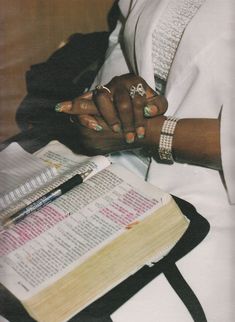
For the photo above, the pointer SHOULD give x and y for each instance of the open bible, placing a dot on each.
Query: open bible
(69, 253)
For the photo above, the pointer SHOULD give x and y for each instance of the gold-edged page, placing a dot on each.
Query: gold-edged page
(62, 237)
(145, 242)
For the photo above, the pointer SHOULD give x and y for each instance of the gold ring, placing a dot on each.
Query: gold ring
(99, 87)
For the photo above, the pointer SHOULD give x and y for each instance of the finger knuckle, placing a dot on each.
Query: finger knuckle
(124, 107)
(138, 102)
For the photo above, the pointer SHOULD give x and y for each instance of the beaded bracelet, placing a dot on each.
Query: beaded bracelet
(166, 139)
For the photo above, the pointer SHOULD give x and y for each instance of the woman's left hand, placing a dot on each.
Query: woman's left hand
(101, 142)
(106, 141)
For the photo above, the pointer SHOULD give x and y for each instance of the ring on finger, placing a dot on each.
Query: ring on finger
(102, 87)
(138, 89)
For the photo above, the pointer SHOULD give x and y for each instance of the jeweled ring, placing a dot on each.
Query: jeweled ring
(139, 89)
(99, 87)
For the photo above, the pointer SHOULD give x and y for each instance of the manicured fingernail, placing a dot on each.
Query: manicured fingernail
(98, 128)
(140, 132)
(95, 126)
(130, 137)
(150, 110)
(58, 107)
(63, 107)
(116, 128)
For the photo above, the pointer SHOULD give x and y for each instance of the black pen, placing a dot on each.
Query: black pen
(46, 199)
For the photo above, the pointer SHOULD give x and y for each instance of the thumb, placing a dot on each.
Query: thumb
(156, 105)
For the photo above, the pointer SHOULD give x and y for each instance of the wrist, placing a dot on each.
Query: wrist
(160, 139)
(153, 131)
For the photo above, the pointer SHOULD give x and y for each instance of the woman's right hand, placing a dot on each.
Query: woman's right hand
(123, 103)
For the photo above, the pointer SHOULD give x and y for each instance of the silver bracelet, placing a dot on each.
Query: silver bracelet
(166, 139)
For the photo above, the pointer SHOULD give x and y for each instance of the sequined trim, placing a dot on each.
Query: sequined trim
(168, 32)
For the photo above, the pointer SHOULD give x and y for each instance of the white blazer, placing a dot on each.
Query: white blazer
(200, 85)
(201, 78)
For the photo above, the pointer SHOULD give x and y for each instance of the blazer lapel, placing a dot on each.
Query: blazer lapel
(138, 30)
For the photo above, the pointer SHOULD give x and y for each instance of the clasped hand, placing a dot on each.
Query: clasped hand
(118, 116)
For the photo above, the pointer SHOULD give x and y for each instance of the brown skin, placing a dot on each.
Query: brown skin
(117, 108)
(195, 141)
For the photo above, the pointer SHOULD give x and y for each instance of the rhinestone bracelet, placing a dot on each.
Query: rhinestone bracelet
(166, 139)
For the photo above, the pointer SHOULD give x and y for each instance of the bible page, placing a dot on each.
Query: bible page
(21, 173)
(66, 164)
(62, 235)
